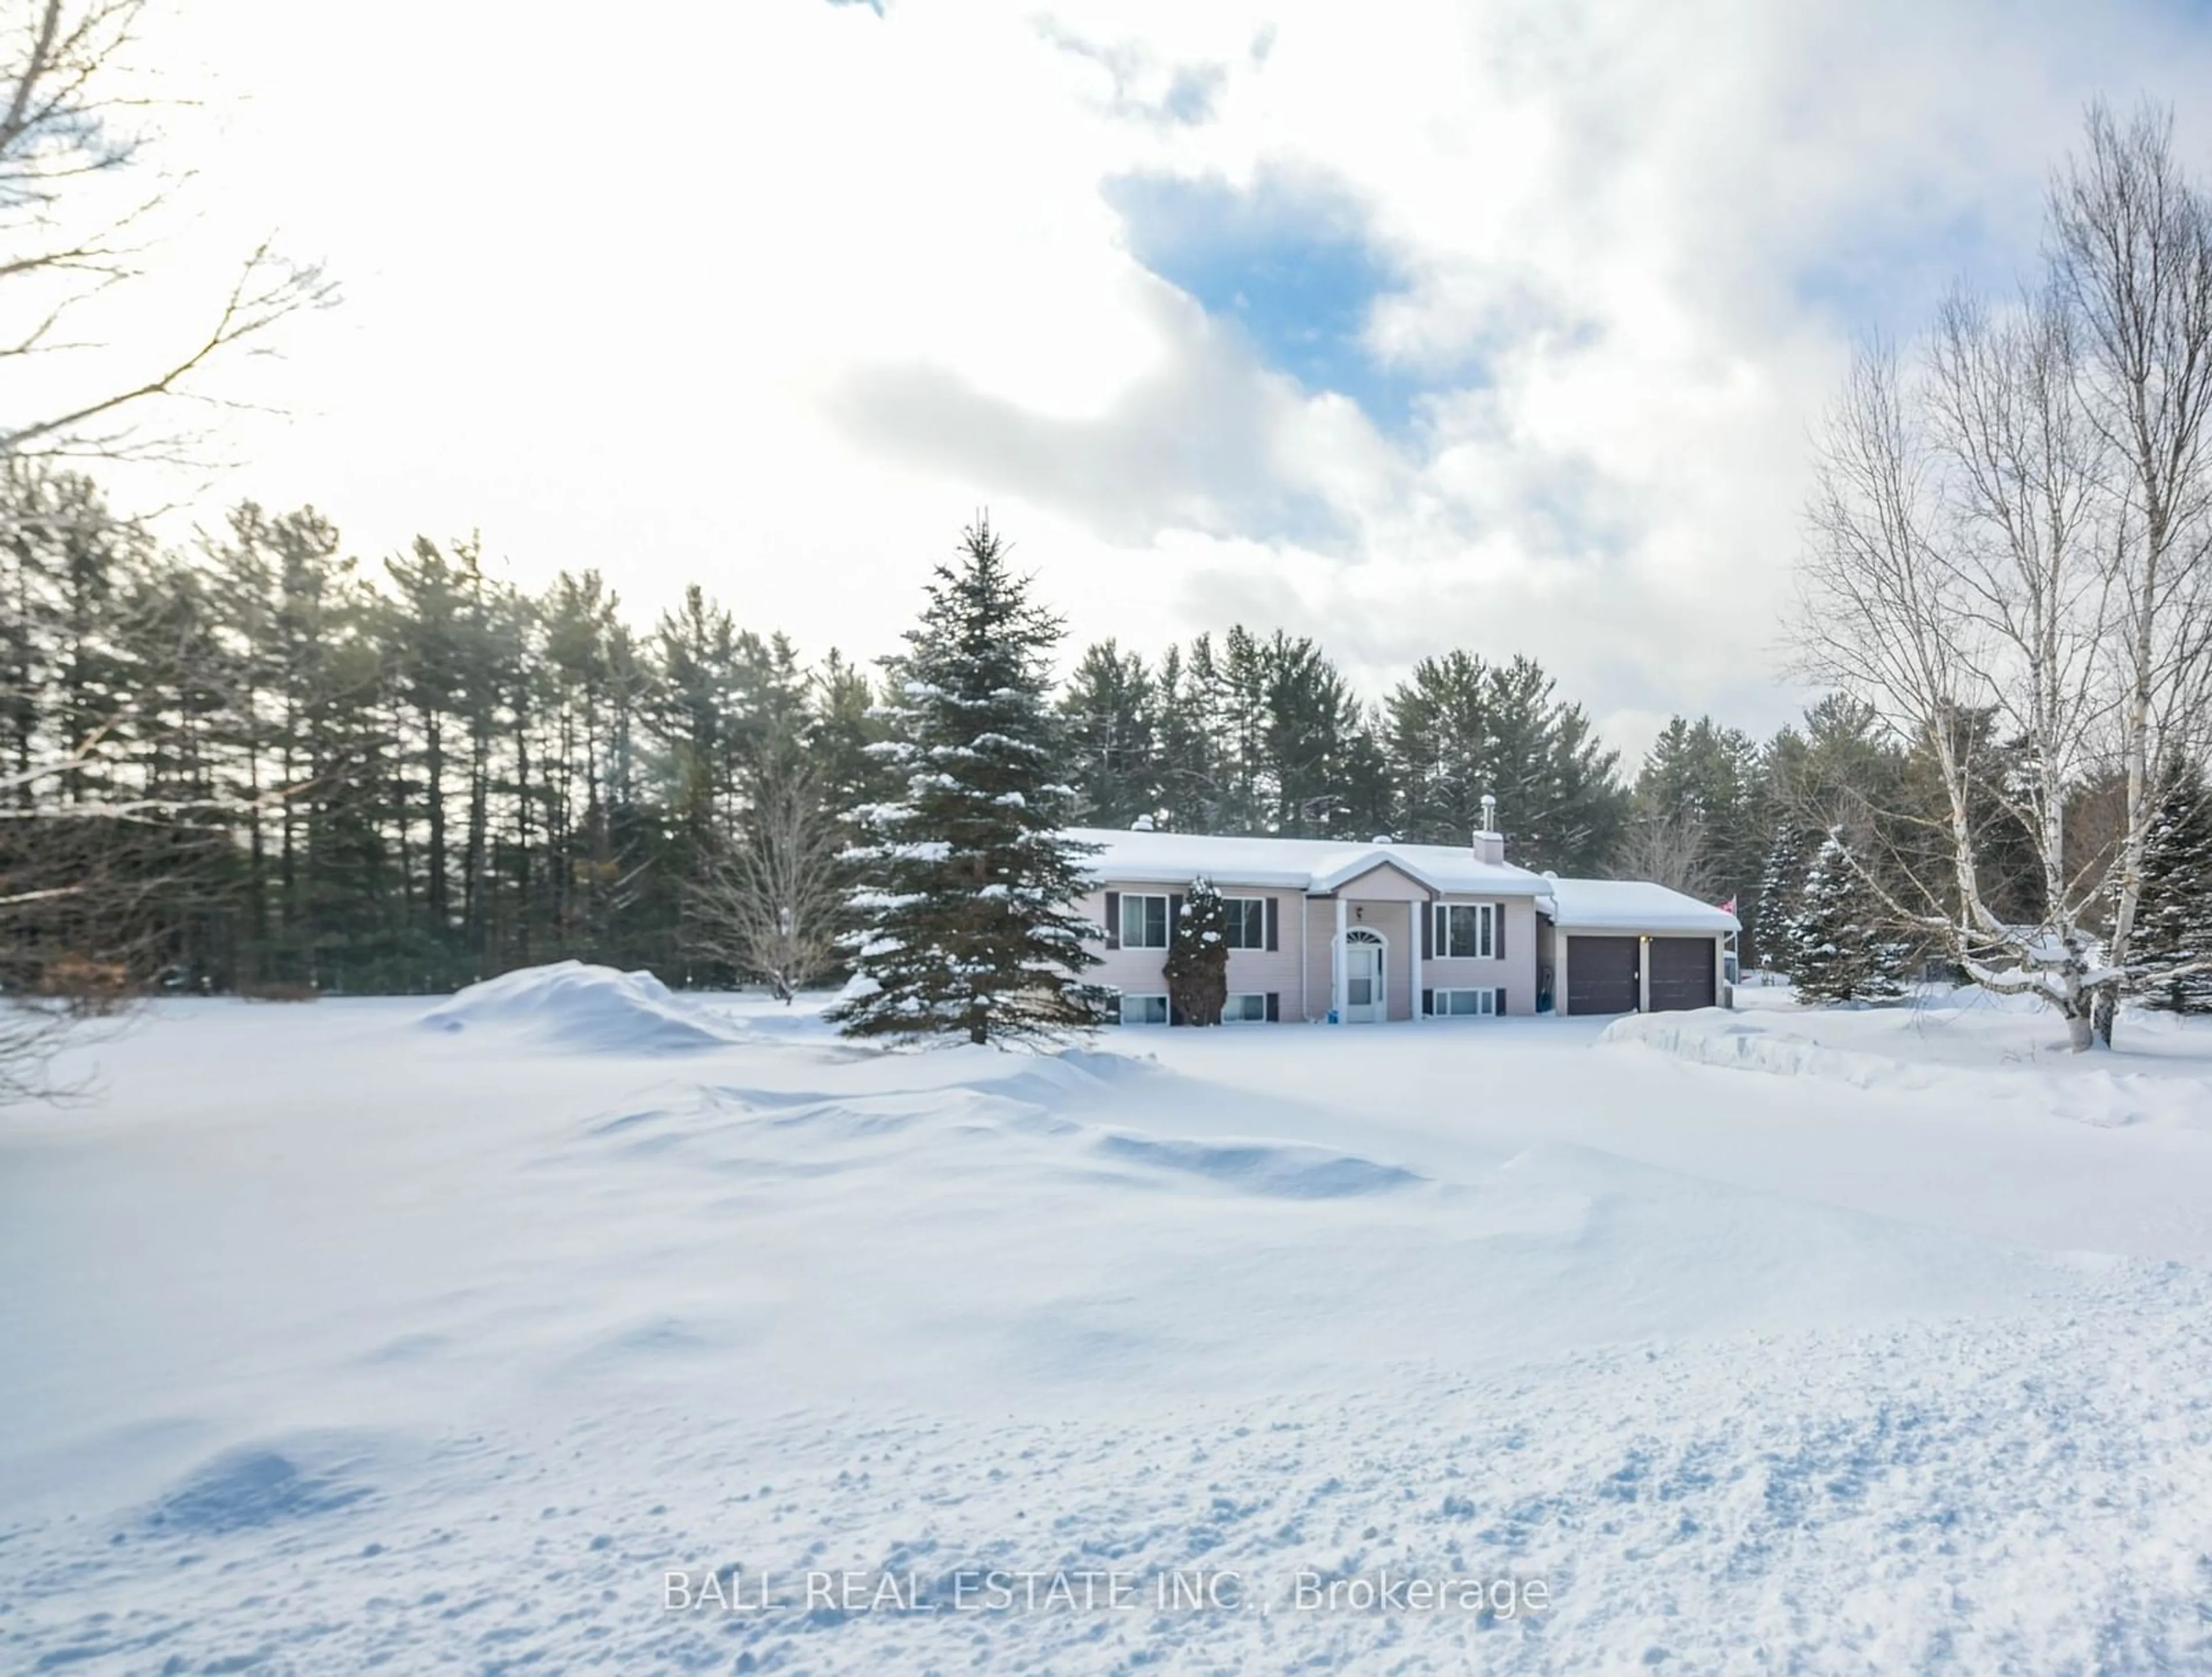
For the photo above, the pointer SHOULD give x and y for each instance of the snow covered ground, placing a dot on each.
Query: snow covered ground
(380, 1334)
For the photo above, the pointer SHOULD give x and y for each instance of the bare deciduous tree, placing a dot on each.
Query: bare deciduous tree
(2132, 238)
(1667, 848)
(771, 904)
(32, 1032)
(80, 202)
(2008, 562)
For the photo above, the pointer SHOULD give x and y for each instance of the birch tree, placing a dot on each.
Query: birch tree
(102, 342)
(2007, 563)
(2132, 239)
(94, 332)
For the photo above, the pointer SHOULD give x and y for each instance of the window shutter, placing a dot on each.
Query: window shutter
(1501, 998)
(1499, 921)
(1274, 919)
(1113, 920)
(1174, 920)
(1428, 1001)
(1274, 996)
(1429, 937)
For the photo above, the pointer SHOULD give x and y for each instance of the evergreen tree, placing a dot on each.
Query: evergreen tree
(1197, 957)
(1700, 817)
(1838, 949)
(1264, 736)
(1838, 767)
(969, 927)
(1112, 737)
(1790, 854)
(427, 627)
(1317, 771)
(1458, 728)
(843, 732)
(2007, 862)
(2175, 926)
(692, 711)
(1190, 773)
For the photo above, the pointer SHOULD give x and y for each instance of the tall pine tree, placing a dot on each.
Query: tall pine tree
(969, 927)
(1112, 737)
(1458, 729)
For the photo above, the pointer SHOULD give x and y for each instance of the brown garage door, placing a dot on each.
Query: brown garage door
(1602, 975)
(1682, 974)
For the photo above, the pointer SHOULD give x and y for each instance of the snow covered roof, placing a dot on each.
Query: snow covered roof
(1309, 865)
(1630, 905)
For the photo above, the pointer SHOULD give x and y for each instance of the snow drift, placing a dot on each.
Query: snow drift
(1709, 1037)
(1974, 1052)
(570, 1005)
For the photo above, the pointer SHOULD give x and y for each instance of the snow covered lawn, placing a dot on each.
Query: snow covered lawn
(376, 1334)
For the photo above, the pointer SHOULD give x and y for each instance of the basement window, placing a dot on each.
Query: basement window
(1463, 1004)
(1144, 1010)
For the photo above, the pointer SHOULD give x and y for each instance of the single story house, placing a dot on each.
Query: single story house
(1362, 933)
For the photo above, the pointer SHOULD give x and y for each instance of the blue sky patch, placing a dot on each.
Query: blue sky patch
(1889, 278)
(1294, 269)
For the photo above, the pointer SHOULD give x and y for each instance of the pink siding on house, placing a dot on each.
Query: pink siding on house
(1377, 900)
(1320, 926)
(1382, 896)
(1257, 971)
(1517, 972)
(1384, 884)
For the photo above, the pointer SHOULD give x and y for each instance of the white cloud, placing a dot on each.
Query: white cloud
(775, 296)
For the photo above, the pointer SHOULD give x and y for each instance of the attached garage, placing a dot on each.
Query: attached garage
(1602, 977)
(1682, 971)
(1620, 945)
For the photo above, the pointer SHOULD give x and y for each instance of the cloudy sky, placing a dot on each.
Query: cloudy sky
(1500, 324)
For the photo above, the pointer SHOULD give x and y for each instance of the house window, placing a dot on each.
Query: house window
(1144, 1010)
(1144, 922)
(1248, 921)
(1465, 930)
(1460, 1003)
(1250, 1008)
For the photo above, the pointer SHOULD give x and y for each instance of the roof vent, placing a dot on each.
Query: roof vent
(1489, 843)
(1382, 838)
(1142, 824)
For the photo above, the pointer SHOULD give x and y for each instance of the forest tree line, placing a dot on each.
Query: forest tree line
(255, 763)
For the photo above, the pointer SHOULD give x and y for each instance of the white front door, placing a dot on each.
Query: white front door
(1363, 979)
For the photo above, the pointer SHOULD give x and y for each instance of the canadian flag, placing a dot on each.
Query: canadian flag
(1729, 907)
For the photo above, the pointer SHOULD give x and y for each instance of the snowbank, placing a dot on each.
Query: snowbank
(572, 1005)
(1968, 1047)
(1709, 1037)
